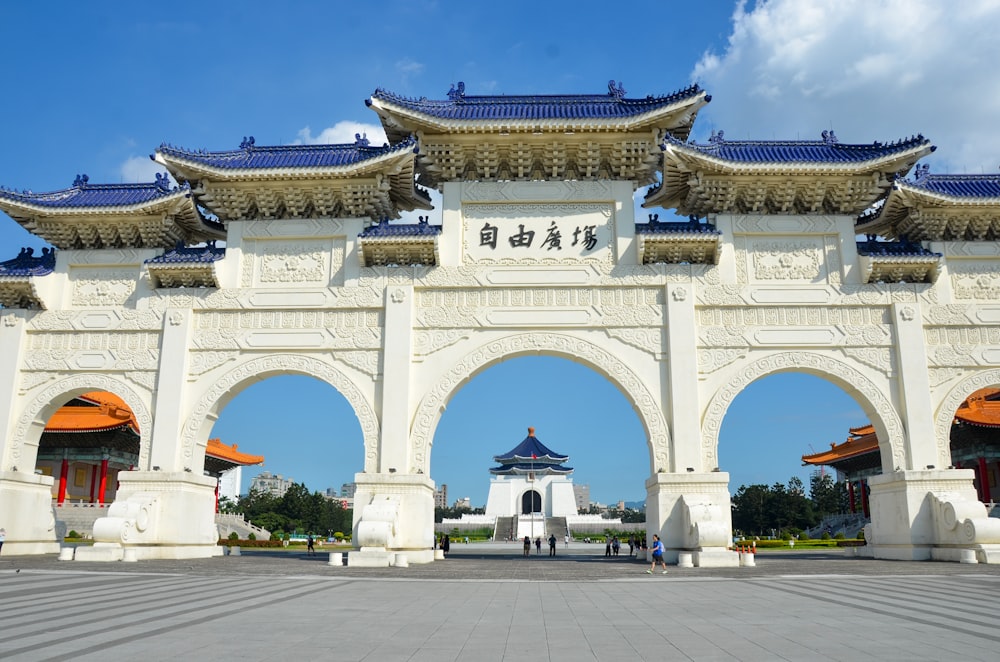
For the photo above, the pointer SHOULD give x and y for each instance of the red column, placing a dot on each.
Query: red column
(93, 483)
(850, 493)
(984, 480)
(864, 498)
(104, 481)
(62, 481)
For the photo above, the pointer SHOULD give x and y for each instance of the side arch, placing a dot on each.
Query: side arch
(949, 405)
(42, 406)
(884, 417)
(565, 346)
(255, 369)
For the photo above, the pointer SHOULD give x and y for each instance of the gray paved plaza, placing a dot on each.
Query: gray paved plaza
(486, 602)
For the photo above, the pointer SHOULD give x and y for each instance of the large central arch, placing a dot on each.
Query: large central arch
(555, 344)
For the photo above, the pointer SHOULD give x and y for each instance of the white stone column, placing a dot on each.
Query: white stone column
(691, 512)
(25, 497)
(682, 380)
(916, 408)
(394, 451)
(168, 407)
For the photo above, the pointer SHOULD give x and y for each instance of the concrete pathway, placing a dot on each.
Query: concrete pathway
(486, 602)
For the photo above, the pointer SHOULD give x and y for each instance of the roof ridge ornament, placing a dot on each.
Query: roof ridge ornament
(81, 181)
(717, 137)
(921, 173)
(247, 143)
(361, 140)
(616, 89)
(163, 181)
(829, 137)
(457, 93)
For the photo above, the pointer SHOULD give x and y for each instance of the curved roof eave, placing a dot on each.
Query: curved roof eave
(888, 163)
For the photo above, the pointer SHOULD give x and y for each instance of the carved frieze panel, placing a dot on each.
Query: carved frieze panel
(650, 340)
(879, 358)
(785, 224)
(543, 233)
(222, 330)
(366, 362)
(292, 227)
(202, 362)
(292, 262)
(92, 351)
(962, 335)
(978, 281)
(428, 342)
(112, 319)
(711, 360)
(102, 286)
(845, 316)
(540, 191)
(787, 260)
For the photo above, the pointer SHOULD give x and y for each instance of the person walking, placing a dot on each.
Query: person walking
(552, 544)
(566, 539)
(3, 535)
(527, 546)
(607, 547)
(538, 545)
(631, 546)
(310, 545)
(616, 545)
(446, 544)
(657, 555)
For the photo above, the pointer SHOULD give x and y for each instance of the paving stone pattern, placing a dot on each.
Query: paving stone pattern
(486, 602)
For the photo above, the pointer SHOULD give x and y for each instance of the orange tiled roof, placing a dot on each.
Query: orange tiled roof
(219, 450)
(982, 409)
(109, 412)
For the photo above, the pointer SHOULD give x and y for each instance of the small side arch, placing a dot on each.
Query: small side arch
(41, 407)
(950, 404)
(885, 419)
(223, 389)
(554, 344)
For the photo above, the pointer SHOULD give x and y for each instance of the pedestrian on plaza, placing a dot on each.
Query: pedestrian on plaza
(566, 538)
(631, 546)
(607, 547)
(538, 545)
(310, 546)
(446, 544)
(616, 545)
(527, 546)
(3, 535)
(552, 544)
(657, 555)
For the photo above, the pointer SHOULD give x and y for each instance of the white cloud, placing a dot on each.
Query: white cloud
(406, 66)
(869, 69)
(141, 169)
(343, 132)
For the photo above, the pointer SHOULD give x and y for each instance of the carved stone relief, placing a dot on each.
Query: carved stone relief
(647, 406)
(787, 260)
(950, 404)
(977, 281)
(254, 369)
(303, 262)
(825, 366)
(107, 287)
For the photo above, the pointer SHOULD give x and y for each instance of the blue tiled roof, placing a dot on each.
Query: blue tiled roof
(27, 264)
(192, 254)
(693, 225)
(528, 467)
(384, 229)
(612, 105)
(894, 249)
(827, 150)
(84, 194)
(250, 156)
(527, 450)
(958, 186)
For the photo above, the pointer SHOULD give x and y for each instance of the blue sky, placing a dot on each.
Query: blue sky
(95, 88)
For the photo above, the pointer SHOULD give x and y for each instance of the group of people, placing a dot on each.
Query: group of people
(538, 545)
(613, 545)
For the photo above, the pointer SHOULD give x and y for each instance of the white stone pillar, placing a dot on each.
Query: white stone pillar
(12, 335)
(394, 455)
(916, 408)
(171, 382)
(682, 380)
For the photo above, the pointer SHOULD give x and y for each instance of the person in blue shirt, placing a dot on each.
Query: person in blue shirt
(657, 555)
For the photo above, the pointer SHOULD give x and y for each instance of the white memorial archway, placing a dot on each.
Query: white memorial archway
(537, 252)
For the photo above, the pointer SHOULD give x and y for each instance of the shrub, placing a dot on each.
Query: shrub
(73, 534)
(827, 536)
(338, 536)
(234, 536)
(252, 536)
(804, 536)
(840, 536)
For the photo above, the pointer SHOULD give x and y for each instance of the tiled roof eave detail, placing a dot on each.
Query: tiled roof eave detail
(166, 203)
(915, 196)
(726, 166)
(214, 173)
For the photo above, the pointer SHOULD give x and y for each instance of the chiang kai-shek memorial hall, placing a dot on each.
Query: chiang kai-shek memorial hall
(267, 260)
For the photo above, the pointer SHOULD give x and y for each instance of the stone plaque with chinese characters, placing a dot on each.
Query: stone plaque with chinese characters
(537, 233)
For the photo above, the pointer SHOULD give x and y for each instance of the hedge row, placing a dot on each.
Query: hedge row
(249, 543)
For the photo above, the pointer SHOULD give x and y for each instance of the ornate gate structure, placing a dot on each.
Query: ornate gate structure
(538, 252)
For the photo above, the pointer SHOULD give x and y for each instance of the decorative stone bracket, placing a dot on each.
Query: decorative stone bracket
(963, 525)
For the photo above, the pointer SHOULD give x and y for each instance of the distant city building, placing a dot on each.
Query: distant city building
(441, 496)
(276, 485)
(348, 489)
(620, 505)
(464, 502)
(582, 495)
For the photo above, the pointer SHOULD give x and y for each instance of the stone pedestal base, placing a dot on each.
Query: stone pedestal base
(721, 558)
(157, 515)
(370, 558)
(395, 513)
(26, 514)
(691, 513)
